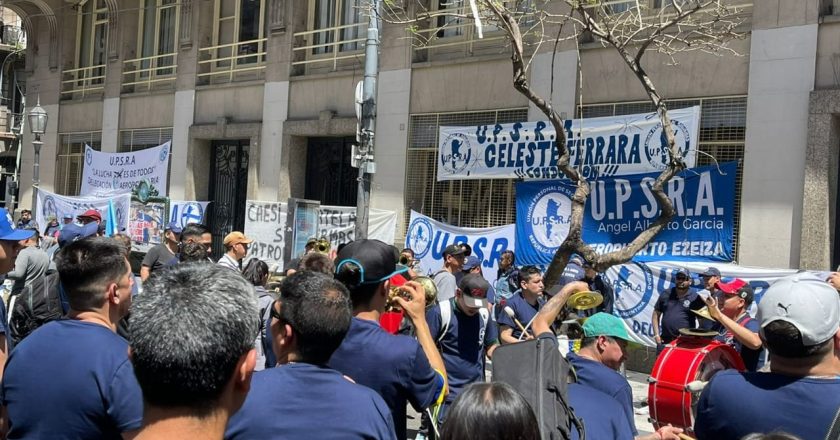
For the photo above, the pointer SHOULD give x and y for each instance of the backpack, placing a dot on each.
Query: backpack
(446, 317)
(37, 304)
(537, 370)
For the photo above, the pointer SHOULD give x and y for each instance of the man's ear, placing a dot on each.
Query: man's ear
(244, 370)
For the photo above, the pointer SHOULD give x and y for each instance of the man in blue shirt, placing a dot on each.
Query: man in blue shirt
(10, 246)
(603, 349)
(303, 397)
(524, 304)
(733, 323)
(71, 378)
(799, 316)
(192, 348)
(674, 307)
(399, 368)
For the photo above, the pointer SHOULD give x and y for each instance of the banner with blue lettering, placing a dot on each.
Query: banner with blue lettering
(637, 287)
(55, 205)
(185, 212)
(106, 173)
(598, 147)
(428, 238)
(618, 209)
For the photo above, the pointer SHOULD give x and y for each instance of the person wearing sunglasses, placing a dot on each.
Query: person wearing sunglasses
(673, 310)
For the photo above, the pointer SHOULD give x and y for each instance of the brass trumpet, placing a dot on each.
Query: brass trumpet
(429, 290)
(323, 245)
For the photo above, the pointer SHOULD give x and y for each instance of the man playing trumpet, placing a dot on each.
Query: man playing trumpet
(734, 324)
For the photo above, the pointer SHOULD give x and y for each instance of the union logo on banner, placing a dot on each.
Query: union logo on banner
(419, 237)
(549, 216)
(455, 153)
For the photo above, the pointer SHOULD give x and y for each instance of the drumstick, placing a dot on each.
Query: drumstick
(511, 315)
(684, 437)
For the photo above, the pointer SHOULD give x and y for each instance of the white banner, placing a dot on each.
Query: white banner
(185, 212)
(265, 223)
(607, 146)
(637, 287)
(105, 173)
(51, 204)
(428, 238)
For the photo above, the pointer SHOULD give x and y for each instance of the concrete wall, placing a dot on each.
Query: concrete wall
(147, 111)
(238, 103)
(455, 87)
(308, 97)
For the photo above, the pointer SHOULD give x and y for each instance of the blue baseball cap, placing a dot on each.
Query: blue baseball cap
(472, 261)
(174, 227)
(7, 228)
(74, 232)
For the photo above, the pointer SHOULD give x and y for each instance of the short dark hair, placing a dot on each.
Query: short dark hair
(408, 251)
(317, 262)
(591, 340)
(255, 271)
(512, 255)
(125, 241)
(350, 275)
(193, 252)
(86, 267)
(217, 309)
(317, 308)
(526, 272)
(490, 410)
(784, 339)
(25, 211)
(193, 230)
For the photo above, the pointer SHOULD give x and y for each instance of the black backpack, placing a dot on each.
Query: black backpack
(36, 305)
(538, 371)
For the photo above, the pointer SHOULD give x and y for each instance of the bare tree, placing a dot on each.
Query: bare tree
(632, 29)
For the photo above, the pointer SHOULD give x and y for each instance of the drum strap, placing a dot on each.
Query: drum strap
(834, 431)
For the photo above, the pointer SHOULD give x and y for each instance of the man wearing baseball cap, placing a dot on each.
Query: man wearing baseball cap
(10, 239)
(90, 216)
(464, 331)
(799, 316)
(734, 324)
(674, 307)
(453, 261)
(236, 248)
(400, 368)
(711, 276)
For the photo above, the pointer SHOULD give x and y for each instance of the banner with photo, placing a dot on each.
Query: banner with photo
(185, 212)
(599, 147)
(148, 221)
(106, 173)
(618, 209)
(51, 204)
(265, 223)
(637, 287)
(428, 238)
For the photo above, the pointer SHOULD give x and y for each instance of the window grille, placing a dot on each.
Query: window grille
(70, 160)
(136, 140)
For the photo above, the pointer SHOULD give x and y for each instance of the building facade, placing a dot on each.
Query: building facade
(257, 97)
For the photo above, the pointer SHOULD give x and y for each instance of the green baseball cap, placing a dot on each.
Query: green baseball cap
(604, 324)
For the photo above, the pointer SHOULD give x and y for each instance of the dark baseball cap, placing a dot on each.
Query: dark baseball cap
(453, 249)
(474, 288)
(374, 259)
(711, 272)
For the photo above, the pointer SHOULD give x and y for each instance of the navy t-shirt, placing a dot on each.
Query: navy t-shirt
(753, 359)
(596, 375)
(676, 312)
(523, 311)
(392, 365)
(71, 379)
(463, 346)
(602, 416)
(296, 401)
(735, 404)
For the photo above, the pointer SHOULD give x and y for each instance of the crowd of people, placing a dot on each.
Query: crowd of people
(219, 349)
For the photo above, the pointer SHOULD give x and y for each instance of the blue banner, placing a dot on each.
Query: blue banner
(618, 209)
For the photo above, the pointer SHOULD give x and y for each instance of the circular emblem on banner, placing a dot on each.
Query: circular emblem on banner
(419, 237)
(192, 213)
(455, 153)
(656, 146)
(88, 156)
(120, 215)
(164, 152)
(633, 289)
(549, 216)
(49, 207)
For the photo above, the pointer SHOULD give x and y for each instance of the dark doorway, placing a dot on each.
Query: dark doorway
(228, 189)
(329, 176)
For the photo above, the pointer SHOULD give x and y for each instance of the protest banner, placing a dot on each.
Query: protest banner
(265, 223)
(185, 212)
(618, 209)
(146, 225)
(51, 204)
(428, 238)
(598, 147)
(106, 173)
(338, 224)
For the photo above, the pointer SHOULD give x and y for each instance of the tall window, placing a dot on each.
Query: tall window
(136, 140)
(158, 34)
(92, 35)
(240, 24)
(70, 159)
(334, 13)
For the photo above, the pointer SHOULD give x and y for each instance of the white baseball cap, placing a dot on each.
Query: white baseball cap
(805, 301)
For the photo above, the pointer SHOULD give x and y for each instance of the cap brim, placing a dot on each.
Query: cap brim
(475, 302)
(18, 234)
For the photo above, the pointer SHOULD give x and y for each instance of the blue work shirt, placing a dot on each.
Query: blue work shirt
(602, 416)
(675, 312)
(300, 400)
(523, 312)
(596, 375)
(71, 379)
(394, 366)
(735, 404)
(462, 346)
